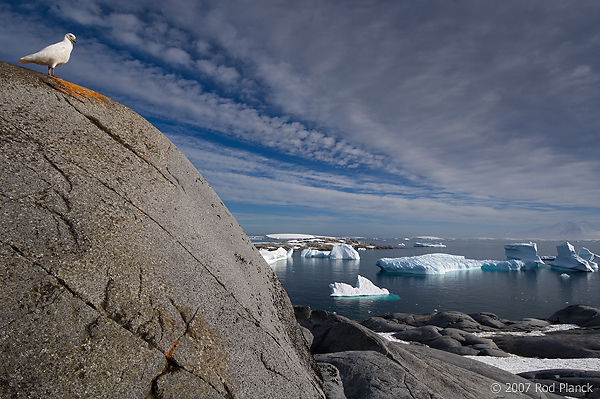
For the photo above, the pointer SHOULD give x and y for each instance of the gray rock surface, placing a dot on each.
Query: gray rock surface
(380, 324)
(454, 319)
(489, 320)
(451, 340)
(580, 343)
(123, 275)
(571, 383)
(453, 332)
(582, 315)
(332, 381)
(372, 367)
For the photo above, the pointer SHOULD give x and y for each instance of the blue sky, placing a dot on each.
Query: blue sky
(374, 118)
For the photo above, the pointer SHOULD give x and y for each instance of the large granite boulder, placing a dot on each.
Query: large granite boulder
(123, 275)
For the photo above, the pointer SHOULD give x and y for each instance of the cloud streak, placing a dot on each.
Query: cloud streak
(461, 112)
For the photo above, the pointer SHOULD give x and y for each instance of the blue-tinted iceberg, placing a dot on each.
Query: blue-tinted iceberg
(429, 264)
(339, 251)
(523, 251)
(588, 255)
(568, 259)
(503, 265)
(277, 255)
(343, 251)
(364, 287)
(314, 253)
(422, 244)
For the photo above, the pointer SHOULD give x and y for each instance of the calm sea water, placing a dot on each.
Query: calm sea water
(512, 295)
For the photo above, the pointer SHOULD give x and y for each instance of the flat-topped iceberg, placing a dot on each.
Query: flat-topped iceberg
(314, 253)
(428, 264)
(504, 265)
(427, 245)
(277, 255)
(343, 251)
(339, 251)
(568, 259)
(290, 236)
(364, 287)
(524, 251)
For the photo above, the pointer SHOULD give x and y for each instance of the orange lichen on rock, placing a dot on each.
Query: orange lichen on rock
(169, 353)
(73, 90)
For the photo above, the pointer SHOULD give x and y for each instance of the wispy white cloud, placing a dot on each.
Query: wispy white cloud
(459, 112)
(241, 177)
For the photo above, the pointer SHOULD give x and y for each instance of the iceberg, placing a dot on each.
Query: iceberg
(588, 255)
(428, 264)
(343, 251)
(364, 287)
(524, 251)
(568, 259)
(314, 253)
(290, 236)
(277, 255)
(339, 251)
(421, 244)
(506, 265)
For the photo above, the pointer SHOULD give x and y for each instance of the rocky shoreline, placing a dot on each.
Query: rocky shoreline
(318, 243)
(347, 351)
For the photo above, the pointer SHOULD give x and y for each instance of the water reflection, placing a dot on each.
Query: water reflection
(509, 294)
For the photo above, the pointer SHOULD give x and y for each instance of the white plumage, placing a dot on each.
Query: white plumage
(53, 55)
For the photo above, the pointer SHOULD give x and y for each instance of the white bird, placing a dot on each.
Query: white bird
(53, 55)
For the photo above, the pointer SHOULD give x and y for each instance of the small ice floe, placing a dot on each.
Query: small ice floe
(364, 287)
(564, 275)
(277, 255)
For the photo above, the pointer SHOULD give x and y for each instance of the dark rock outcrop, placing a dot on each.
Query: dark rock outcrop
(580, 343)
(123, 275)
(582, 315)
(372, 367)
(451, 340)
(454, 332)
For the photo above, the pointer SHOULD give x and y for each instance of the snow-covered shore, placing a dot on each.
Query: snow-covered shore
(518, 364)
